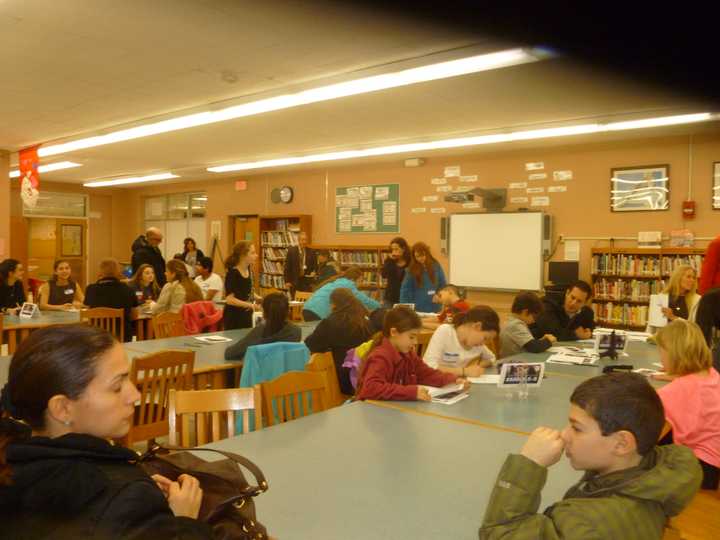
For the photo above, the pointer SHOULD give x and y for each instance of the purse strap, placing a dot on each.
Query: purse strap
(262, 484)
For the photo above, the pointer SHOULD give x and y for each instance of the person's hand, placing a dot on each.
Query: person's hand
(163, 483)
(474, 371)
(422, 394)
(583, 333)
(464, 382)
(550, 338)
(544, 446)
(66, 307)
(668, 313)
(185, 496)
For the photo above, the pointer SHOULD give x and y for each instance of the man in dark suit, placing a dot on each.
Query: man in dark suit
(300, 266)
(146, 251)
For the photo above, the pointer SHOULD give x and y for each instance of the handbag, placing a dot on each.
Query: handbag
(227, 503)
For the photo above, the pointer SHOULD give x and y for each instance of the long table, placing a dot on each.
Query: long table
(361, 472)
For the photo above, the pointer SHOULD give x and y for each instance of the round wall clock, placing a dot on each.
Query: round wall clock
(286, 194)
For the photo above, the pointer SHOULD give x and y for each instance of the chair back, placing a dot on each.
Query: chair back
(293, 395)
(324, 363)
(155, 375)
(422, 342)
(167, 325)
(109, 319)
(212, 412)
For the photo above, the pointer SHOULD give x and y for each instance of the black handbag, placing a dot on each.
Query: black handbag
(227, 504)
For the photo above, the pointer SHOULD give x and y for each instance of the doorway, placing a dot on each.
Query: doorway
(247, 228)
(50, 239)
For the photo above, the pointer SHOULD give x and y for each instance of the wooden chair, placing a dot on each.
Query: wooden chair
(213, 409)
(168, 325)
(155, 375)
(423, 340)
(324, 363)
(286, 392)
(109, 319)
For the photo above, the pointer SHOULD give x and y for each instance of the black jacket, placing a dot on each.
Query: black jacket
(144, 253)
(78, 486)
(112, 293)
(289, 332)
(293, 273)
(12, 296)
(555, 321)
(394, 275)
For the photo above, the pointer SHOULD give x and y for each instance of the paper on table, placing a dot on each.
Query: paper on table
(213, 339)
(655, 315)
(485, 379)
(449, 394)
(575, 358)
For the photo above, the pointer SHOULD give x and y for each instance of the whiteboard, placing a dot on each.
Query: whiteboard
(497, 251)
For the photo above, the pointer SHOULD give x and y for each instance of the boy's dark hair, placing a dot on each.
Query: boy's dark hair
(623, 402)
(485, 315)
(460, 292)
(206, 263)
(529, 301)
(582, 285)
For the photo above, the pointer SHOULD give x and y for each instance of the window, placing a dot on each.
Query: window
(178, 216)
(62, 205)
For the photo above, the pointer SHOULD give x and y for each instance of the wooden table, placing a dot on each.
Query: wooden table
(16, 329)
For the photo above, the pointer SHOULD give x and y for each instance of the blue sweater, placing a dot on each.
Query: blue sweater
(421, 296)
(319, 302)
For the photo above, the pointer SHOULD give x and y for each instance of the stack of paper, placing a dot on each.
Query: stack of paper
(485, 379)
(452, 393)
(579, 359)
(213, 339)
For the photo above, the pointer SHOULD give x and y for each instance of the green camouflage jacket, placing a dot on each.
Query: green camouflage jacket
(633, 504)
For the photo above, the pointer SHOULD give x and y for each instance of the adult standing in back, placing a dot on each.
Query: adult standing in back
(710, 271)
(300, 266)
(239, 296)
(146, 251)
(423, 280)
(393, 269)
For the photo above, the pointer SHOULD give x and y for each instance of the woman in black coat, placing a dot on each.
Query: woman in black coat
(59, 476)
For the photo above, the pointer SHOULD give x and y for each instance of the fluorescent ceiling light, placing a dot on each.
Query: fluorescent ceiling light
(466, 141)
(49, 167)
(432, 72)
(135, 180)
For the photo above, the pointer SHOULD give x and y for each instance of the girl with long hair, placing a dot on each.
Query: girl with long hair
(318, 306)
(240, 299)
(393, 269)
(12, 294)
(423, 279)
(144, 284)
(61, 292)
(191, 254)
(178, 291)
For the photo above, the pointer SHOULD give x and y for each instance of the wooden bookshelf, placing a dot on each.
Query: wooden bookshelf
(624, 279)
(277, 234)
(369, 258)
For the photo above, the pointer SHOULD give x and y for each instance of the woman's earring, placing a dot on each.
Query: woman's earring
(67, 422)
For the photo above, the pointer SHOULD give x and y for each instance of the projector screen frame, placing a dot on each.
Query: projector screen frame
(498, 289)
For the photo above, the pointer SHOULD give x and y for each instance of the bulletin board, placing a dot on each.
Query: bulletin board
(367, 209)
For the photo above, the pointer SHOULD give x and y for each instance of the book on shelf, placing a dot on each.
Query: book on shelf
(273, 267)
(622, 289)
(276, 254)
(272, 282)
(360, 258)
(279, 238)
(621, 314)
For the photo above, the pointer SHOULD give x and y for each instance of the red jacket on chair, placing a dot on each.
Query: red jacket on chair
(201, 317)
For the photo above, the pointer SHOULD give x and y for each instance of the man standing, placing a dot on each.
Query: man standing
(146, 251)
(710, 272)
(300, 266)
(570, 320)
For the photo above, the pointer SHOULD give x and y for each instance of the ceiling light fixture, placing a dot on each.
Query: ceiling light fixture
(49, 167)
(134, 180)
(432, 72)
(468, 141)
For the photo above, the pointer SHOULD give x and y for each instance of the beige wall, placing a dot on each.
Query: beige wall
(582, 211)
(4, 205)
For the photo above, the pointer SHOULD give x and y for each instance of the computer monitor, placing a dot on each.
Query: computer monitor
(563, 273)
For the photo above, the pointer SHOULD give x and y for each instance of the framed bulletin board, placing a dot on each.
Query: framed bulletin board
(367, 209)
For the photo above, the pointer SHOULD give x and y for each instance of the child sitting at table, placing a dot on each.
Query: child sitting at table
(515, 336)
(452, 300)
(275, 327)
(459, 348)
(630, 488)
(392, 370)
(692, 399)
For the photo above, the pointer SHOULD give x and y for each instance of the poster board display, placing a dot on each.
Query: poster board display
(367, 209)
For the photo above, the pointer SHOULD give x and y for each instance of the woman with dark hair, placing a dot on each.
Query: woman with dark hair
(275, 327)
(191, 254)
(67, 394)
(178, 291)
(239, 295)
(12, 294)
(393, 269)
(423, 279)
(317, 307)
(346, 327)
(61, 292)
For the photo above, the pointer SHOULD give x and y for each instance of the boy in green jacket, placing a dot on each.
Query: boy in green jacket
(630, 488)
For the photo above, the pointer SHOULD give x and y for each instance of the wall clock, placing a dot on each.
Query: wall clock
(286, 194)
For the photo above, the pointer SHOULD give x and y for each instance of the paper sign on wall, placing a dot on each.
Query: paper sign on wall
(430, 198)
(572, 250)
(536, 190)
(444, 189)
(472, 178)
(560, 176)
(462, 189)
(518, 200)
(555, 189)
(534, 166)
(517, 185)
(345, 225)
(418, 210)
(453, 170)
(437, 210)
(353, 192)
(538, 176)
(215, 228)
(366, 205)
(389, 213)
(438, 181)
(540, 201)
(382, 193)
(471, 205)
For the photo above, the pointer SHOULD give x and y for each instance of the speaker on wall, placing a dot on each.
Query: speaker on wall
(443, 235)
(547, 234)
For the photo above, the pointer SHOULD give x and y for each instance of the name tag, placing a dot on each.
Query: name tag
(451, 359)
(69, 291)
(430, 293)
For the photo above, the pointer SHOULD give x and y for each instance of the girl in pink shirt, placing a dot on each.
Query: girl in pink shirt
(692, 399)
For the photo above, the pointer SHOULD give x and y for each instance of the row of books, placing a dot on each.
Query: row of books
(641, 265)
(361, 258)
(272, 282)
(625, 314)
(286, 225)
(623, 289)
(276, 267)
(279, 238)
(274, 253)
